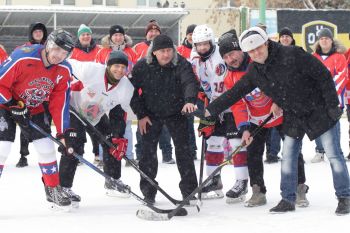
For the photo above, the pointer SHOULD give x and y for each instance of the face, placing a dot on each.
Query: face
(189, 37)
(234, 58)
(118, 38)
(259, 54)
(118, 71)
(325, 44)
(38, 35)
(286, 40)
(203, 47)
(164, 56)
(85, 39)
(151, 34)
(56, 55)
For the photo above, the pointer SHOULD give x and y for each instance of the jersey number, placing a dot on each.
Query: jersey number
(219, 87)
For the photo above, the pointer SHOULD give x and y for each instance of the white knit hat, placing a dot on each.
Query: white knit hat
(252, 38)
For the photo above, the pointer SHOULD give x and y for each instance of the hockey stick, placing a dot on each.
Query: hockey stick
(201, 168)
(147, 215)
(109, 144)
(182, 212)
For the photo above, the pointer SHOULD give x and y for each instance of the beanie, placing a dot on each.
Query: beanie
(190, 29)
(117, 57)
(227, 43)
(84, 29)
(252, 38)
(286, 31)
(152, 25)
(162, 42)
(116, 29)
(325, 32)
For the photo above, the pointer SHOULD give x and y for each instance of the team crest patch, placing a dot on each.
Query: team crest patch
(26, 49)
(220, 69)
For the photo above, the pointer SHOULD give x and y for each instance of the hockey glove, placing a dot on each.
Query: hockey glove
(206, 127)
(20, 114)
(119, 149)
(70, 139)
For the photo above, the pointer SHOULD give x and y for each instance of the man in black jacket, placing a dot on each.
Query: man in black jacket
(168, 87)
(304, 89)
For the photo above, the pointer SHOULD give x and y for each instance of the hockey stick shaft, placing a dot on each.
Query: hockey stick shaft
(109, 144)
(218, 169)
(81, 159)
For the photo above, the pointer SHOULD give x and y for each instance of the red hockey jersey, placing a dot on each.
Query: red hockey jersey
(24, 77)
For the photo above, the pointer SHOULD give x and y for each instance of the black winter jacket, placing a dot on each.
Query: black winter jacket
(165, 89)
(298, 83)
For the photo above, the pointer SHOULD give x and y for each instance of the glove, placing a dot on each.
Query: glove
(119, 149)
(70, 139)
(20, 114)
(206, 127)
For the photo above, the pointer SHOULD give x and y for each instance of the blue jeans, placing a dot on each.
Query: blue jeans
(273, 142)
(319, 147)
(128, 135)
(331, 142)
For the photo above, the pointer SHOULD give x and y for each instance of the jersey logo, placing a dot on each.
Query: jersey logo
(27, 49)
(220, 69)
(37, 92)
(91, 93)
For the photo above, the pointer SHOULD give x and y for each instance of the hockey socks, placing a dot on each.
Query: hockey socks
(50, 173)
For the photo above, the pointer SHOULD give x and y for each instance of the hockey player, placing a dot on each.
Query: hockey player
(210, 70)
(256, 107)
(304, 89)
(100, 91)
(32, 75)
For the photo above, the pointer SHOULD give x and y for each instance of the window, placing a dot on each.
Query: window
(8, 2)
(97, 2)
(63, 2)
(111, 2)
(105, 2)
(69, 2)
(149, 3)
(55, 2)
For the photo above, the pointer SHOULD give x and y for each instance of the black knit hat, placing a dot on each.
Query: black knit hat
(161, 42)
(152, 24)
(116, 29)
(325, 32)
(117, 57)
(286, 31)
(190, 28)
(227, 43)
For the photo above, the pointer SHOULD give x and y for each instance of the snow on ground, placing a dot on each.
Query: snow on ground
(23, 207)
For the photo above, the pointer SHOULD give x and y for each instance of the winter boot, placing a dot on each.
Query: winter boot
(74, 198)
(283, 207)
(343, 207)
(96, 160)
(100, 164)
(237, 192)
(23, 162)
(319, 157)
(258, 198)
(170, 161)
(301, 200)
(116, 188)
(213, 189)
(272, 158)
(56, 197)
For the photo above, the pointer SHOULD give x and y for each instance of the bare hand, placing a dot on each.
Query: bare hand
(189, 108)
(246, 138)
(143, 125)
(276, 110)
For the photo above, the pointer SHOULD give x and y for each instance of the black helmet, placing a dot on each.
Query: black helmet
(62, 39)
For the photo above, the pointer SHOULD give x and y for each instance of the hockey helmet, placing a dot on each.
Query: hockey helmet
(203, 33)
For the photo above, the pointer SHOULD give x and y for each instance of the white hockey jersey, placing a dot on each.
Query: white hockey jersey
(92, 96)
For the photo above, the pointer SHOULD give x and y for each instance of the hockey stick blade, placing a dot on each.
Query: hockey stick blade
(154, 216)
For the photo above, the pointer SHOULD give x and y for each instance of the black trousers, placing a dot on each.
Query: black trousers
(178, 129)
(68, 164)
(255, 160)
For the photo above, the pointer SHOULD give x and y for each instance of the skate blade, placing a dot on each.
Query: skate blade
(151, 216)
(217, 194)
(247, 204)
(114, 193)
(57, 208)
(75, 204)
(303, 204)
(230, 200)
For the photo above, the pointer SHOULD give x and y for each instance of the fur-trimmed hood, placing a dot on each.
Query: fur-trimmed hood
(337, 45)
(106, 41)
(150, 57)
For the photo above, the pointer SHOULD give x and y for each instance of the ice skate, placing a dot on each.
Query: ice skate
(213, 189)
(116, 188)
(23, 162)
(237, 193)
(301, 200)
(258, 198)
(74, 198)
(57, 199)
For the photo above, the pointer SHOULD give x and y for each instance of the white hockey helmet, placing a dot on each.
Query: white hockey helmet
(252, 38)
(202, 33)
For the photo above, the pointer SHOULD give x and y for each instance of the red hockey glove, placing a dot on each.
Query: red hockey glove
(119, 149)
(70, 139)
(206, 127)
(20, 114)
